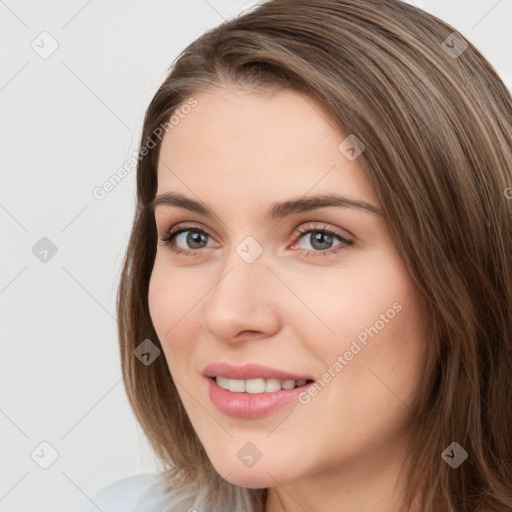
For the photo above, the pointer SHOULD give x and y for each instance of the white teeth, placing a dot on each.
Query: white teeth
(237, 386)
(288, 384)
(272, 385)
(222, 382)
(257, 385)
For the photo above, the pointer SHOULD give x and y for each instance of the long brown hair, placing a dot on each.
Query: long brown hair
(436, 122)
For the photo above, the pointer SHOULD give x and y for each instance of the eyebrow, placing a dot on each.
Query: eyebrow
(276, 210)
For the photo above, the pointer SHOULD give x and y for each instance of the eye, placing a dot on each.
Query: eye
(193, 238)
(321, 239)
(190, 235)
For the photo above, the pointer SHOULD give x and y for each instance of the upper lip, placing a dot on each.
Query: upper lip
(249, 371)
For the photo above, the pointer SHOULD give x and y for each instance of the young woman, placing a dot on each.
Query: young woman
(315, 305)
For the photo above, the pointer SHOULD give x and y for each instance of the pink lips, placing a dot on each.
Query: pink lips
(249, 371)
(248, 405)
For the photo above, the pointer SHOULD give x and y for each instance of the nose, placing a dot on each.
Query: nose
(245, 301)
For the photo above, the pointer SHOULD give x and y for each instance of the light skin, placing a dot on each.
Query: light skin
(294, 307)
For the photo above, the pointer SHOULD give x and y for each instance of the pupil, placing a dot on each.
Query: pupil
(319, 237)
(194, 238)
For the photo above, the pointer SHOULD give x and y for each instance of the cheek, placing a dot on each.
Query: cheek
(167, 314)
(348, 304)
(175, 307)
(158, 300)
(169, 299)
(376, 326)
(383, 351)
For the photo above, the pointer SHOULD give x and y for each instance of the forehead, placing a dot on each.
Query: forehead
(282, 141)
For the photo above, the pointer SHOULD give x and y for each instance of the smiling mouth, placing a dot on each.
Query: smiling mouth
(259, 385)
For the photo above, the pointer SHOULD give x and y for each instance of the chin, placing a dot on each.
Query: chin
(255, 477)
(250, 480)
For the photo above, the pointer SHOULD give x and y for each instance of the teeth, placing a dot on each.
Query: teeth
(222, 382)
(237, 385)
(272, 385)
(257, 385)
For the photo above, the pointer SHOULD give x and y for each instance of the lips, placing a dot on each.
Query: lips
(251, 371)
(247, 405)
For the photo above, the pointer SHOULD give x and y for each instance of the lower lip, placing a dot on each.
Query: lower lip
(251, 405)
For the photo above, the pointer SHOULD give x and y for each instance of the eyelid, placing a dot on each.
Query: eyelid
(296, 233)
(308, 227)
(185, 226)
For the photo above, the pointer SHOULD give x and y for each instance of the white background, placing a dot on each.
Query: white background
(66, 124)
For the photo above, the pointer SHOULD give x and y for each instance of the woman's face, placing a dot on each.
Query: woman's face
(267, 285)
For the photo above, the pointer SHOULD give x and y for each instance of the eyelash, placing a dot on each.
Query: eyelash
(168, 240)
